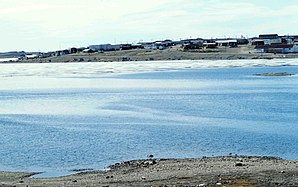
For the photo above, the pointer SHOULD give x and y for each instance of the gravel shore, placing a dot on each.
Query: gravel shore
(229, 171)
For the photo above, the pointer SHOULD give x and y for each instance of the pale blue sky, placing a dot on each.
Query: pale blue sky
(43, 25)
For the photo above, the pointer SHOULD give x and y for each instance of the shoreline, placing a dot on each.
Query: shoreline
(83, 69)
(175, 53)
(206, 171)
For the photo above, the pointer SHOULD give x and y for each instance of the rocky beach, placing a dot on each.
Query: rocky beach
(229, 171)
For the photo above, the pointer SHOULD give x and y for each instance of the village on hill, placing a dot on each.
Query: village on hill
(169, 50)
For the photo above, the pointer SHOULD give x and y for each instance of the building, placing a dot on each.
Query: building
(258, 42)
(210, 45)
(105, 47)
(193, 46)
(73, 50)
(189, 41)
(149, 45)
(126, 47)
(294, 49)
(88, 51)
(31, 56)
(152, 45)
(227, 43)
(136, 46)
(270, 39)
(46, 55)
(167, 43)
(242, 41)
(277, 48)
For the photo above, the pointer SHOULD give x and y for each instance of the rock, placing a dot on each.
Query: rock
(202, 185)
(218, 184)
(238, 164)
(150, 156)
(274, 74)
(149, 162)
(282, 171)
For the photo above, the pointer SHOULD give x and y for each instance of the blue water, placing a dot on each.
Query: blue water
(54, 125)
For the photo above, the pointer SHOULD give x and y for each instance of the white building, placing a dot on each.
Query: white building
(270, 39)
(104, 47)
(294, 48)
(31, 56)
(153, 46)
(226, 43)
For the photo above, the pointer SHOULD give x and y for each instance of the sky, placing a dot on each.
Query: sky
(46, 25)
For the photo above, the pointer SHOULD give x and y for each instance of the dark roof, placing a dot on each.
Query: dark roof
(268, 36)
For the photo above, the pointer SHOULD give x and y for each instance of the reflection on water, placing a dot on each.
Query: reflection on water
(56, 124)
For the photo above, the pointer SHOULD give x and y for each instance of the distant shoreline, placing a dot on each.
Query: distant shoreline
(161, 55)
(212, 171)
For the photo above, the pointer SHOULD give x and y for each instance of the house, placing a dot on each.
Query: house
(46, 55)
(159, 45)
(276, 48)
(149, 45)
(270, 39)
(152, 45)
(258, 42)
(177, 42)
(136, 46)
(210, 45)
(188, 41)
(88, 51)
(62, 52)
(193, 46)
(167, 43)
(126, 47)
(73, 50)
(294, 49)
(227, 43)
(242, 41)
(289, 39)
(31, 56)
(131, 46)
(105, 47)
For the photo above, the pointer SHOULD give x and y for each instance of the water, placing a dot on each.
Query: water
(55, 124)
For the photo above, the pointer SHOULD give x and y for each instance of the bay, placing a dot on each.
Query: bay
(58, 123)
